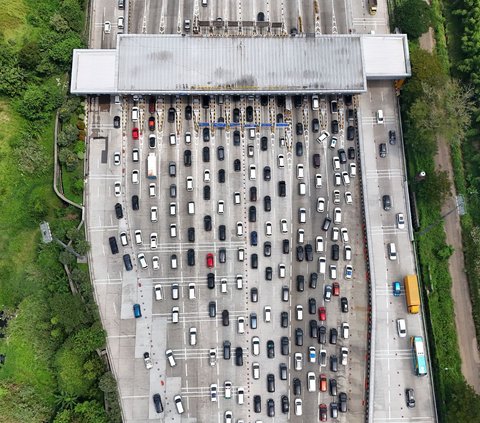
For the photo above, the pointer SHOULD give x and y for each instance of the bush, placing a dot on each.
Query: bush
(413, 17)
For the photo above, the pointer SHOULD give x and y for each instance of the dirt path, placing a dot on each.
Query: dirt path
(467, 341)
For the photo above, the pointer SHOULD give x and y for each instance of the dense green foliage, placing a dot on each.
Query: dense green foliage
(435, 106)
(413, 17)
(52, 371)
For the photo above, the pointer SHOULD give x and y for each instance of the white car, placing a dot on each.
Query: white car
(402, 328)
(154, 213)
(135, 177)
(118, 189)
(283, 226)
(223, 286)
(300, 236)
(315, 102)
(348, 197)
(318, 180)
(138, 236)
(155, 263)
(336, 163)
(142, 261)
(348, 252)
(344, 232)
(302, 215)
(116, 158)
(344, 356)
(336, 196)
(298, 407)
(281, 271)
(173, 261)
(158, 292)
(135, 155)
(268, 228)
(239, 229)
(173, 230)
(298, 360)
(320, 204)
(267, 314)
(281, 160)
(335, 234)
(253, 172)
(228, 389)
(123, 239)
(188, 137)
(173, 209)
(189, 183)
(151, 190)
(400, 221)
(323, 136)
(348, 271)
(147, 361)
(256, 371)
(107, 27)
(153, 240)
(345, 178)
(319, 247)
(213, 392)
(191, 291)
(353, 170)
(333, 142)
(337, 215)
(236, 198)
(299, 312)
(300, 171)
(173, 139)
(312, 355)
(256, 345)
(337, 179)
(206, 176)
(220, 207)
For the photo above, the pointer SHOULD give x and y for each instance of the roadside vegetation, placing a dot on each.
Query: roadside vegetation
(51, 335)
(436, 105)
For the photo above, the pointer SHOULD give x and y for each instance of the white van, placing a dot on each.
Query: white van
(189, 183)
(333, 271)
(300, 236)
(300, 171)
(158, 292)
(240, 395)
(392, 251)
(302, 188)
(241, 325)
(345, 330)
(170, 358)
(193, 336)
(239, 279)
(251, 133)
(178, 404)
(241, 254)
(173, 230)
(311, 379)
(175, 314)
(322, 263)
(380, 117)
(135, 114)
(253, 172)
(191, 207)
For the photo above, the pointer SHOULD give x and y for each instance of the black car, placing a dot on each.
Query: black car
(312, 306)
(313, 329)
(264, 100)
(264, 143)
(309, 252)
(222, 232)
(225, 318)
(239, 356)
(343, 402)
(227, 350)
(322, 335)
(257, 403)
(300, 253)
(270, 382)
(236, 138)
(118, 210)
(387, 202)
(348, 99)
(191, 234)
(298, 337)
(252, 214)
(280, 100)
(333, 363)
(212, 308)
(284, 319)
(222, 255)
(253, 238)
(344, 304)
(350, 133)
(127, 261)
(351, 153)
(236, 115)
(270, 349)
(299, 128)
(315, 125)
(220, 153)
(282, 189)
(206, 192)
(135, 204)
(267, 173)
(113, 244)
(297, 387)
(171, 115)
(316, 160)
(211, 281)
(300, 283)
(191, 257)
(254, 295)
(116, 122)
(249, 114)
(333, 387)
(299, 149)
(267, 249)
(206, 101)
(382, 149)
(187, 158)
(285, 345)
(253, 194)
(172, 169)
(268, 273)
(173, 191)
(254, 261)
(342, 156)
(157, 402)
(335, 252)
(334, 126)
(188, 113)
(313, 280)
(237, 165)
(206, 134)
(286, 246)
(206, 154)
(221, 176)
(333, 336)
(285, 404)
(410, 397)
(270, 407)
(279, 118)
(282, 367)
(297, 101)
(207, 222)
(253, 321)
(267, 203)
(392, 137)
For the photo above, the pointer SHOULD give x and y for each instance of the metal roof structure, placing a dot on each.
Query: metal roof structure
(185, 65)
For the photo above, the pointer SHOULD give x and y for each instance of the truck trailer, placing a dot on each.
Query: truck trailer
(152, 166)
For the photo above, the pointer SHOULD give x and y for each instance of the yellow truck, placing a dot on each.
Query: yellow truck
(372, 7)
(412, 293)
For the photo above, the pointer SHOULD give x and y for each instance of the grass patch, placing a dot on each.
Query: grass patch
(13, 19)
(69, 180)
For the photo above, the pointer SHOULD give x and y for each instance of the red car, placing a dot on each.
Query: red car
(336, 289)
(151, 123)
(323, 383)
(323, 412)
(210, 261)
(135, 133)
(322, 313)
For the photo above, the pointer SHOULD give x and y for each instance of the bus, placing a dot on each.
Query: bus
(418, 354)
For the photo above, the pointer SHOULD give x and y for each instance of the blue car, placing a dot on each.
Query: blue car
(253, 238)
(396, 289)
(137, 312)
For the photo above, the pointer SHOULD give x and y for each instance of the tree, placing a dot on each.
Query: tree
(89, 339)
(413, 17)
(68, 158)
(68, 135)
(66, 258)
(82, 246)
(65, 400)
(29, 56)
(435, 188)
(107, 383)
(68, 312)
